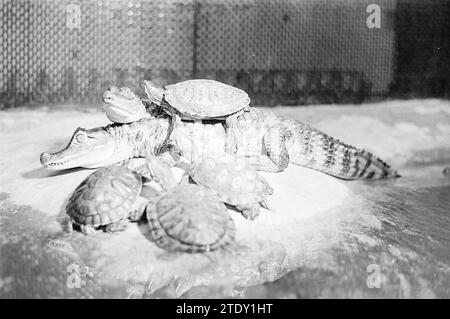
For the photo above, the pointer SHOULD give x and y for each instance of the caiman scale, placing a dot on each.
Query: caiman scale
(266, 140)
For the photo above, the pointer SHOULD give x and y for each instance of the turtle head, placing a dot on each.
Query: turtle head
(154, 92)
(87, 148)
(160, 172)
(122, 105)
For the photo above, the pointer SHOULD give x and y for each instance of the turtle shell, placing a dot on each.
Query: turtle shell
(190, 218)
(235, 183)
(205, 99)
(104, 197)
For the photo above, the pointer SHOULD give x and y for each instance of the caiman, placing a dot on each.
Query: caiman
(266, 140)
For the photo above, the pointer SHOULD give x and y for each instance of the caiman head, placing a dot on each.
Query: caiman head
(87, 148)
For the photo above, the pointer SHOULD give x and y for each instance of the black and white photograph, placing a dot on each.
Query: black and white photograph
(243, 151)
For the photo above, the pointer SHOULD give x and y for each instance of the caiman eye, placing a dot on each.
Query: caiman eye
(80, 138)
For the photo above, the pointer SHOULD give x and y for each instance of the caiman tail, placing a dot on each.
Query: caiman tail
(314, 149)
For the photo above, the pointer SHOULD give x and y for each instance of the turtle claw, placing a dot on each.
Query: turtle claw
(250, 214)
(138, 214)
(122, 105)
(264, 204)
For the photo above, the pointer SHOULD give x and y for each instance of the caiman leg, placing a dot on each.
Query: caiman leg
(274, 142)
(275, 156)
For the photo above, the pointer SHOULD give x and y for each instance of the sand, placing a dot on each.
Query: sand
(304, 224)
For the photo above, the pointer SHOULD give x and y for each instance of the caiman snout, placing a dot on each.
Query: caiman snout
(45, 158)
(87, 148)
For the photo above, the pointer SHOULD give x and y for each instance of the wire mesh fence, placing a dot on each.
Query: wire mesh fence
(280, 51)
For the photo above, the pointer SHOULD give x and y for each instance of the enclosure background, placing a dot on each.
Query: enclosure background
(281, 52)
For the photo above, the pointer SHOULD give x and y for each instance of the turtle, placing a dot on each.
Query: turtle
(186, 217)
(108, 198)
(201, 99)
(190, 218)
(236, 183)
(123, 106)
(195, 100)
(181, 217)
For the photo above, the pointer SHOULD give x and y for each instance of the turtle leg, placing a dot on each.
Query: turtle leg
(88, 230)
(249, 212)
(274, 142)
(136, 215)
(231, 133)
(269, 188)
(170, 154)
(166, 158)
(147, 193)
(185, 179)
(66, 226)
(154, 92)
(264, 204)
(184, 164)
(153, 109)
(160, 172)
(174, 124)
(121, 225)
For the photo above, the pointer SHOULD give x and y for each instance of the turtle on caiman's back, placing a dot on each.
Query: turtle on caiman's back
(195, 100)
